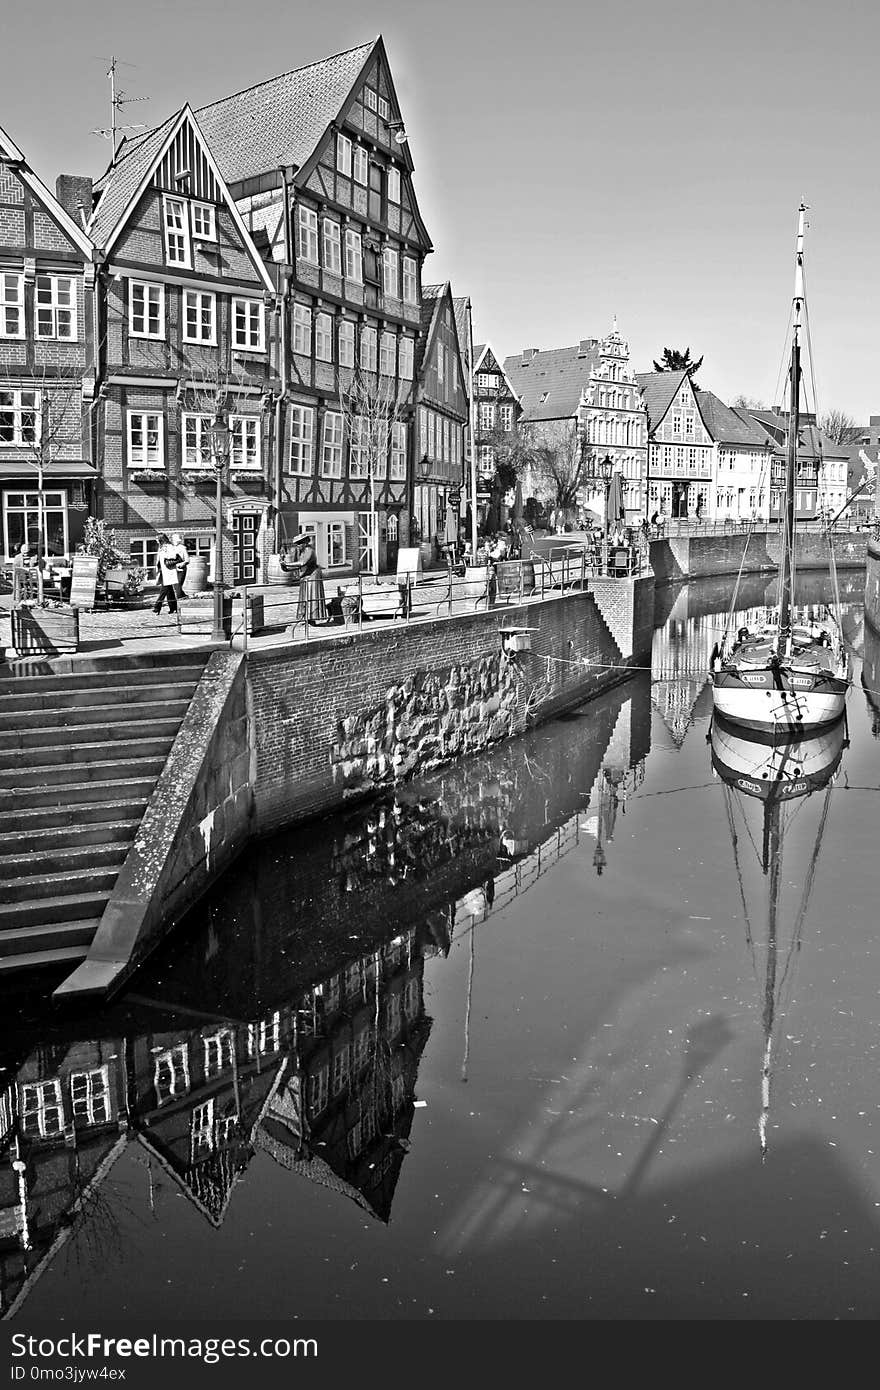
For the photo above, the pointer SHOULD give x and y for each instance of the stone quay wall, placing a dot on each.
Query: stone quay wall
(701, 557)
(339, 718)
(872, 585)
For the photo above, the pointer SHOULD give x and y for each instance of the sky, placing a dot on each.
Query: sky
(574, 161)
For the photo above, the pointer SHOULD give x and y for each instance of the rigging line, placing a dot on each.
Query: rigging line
(784, 354)
(728, 796)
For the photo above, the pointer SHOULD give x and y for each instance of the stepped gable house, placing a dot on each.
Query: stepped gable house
(47, 357)
(442, 416)
(188, 331)
(319, 165)
(592, 386)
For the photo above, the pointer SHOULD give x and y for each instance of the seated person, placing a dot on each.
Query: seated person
(499, 548)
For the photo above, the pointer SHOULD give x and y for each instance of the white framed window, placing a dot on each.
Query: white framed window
(371, 99)
(337, 546)
(21, 521)
(398, 452)
(343, 155)
(393, 184)
(197, 441)
(202, 1131)
(324, 337)
(390, 272)
(405, 359)
(410, 280)
(177, 248)
(332, 246)
(146, 439)
(368, 349)
(11, 305)
(388, 354)
(359, 448)
(331, 445)
(360, 165)
(346, 344)
(218, 1051)
(354, 256)
(302, 329)
(247, 325)
(307, 234)
(41, 1109)
(204, 224)
(146, 310)
(171, 1073)
(318, 1091)
(55, 305)
(19, 416)
(90, 1095)
(441, 364)
(384, 108)
(506, 416)
(245, 441)
(487, 415)
(302, 433)
(199, 317)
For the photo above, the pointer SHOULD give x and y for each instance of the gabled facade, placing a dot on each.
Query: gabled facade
(188, 324)
(681, 454)
(496, 408)
(47, 361)
(441, 417)
(592, 386)
(811, 446)
(318, 162)
(743, 462)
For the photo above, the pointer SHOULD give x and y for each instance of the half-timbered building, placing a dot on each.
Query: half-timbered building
(47, 361)
(442, 418)
(681, 455)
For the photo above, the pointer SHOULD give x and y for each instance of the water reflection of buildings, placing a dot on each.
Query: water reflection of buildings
(290, 1019)
(871, 676)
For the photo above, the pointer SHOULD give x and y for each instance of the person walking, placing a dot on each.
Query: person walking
(312, 607)
(180, 546)
(167, 561)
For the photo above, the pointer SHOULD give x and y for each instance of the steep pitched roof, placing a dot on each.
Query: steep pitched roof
(10, 151)
(550, 384)
(480, 352)
(658, 390)
(281, 120)
(728, 426)
(460, 307)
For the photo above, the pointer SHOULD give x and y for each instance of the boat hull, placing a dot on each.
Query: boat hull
(779, 772)
(776, 700)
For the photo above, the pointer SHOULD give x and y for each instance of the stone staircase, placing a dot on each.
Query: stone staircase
(81, 747)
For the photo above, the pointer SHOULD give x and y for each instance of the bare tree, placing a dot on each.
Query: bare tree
(742, 402)
(371, 405)
(561, 465)
(840, 427)
(515, 454)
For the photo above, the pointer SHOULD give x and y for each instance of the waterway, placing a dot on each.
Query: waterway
(527, 1039)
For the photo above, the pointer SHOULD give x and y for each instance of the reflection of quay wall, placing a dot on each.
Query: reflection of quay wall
(350, 715)
(871, 671)
(696, 557)
(872, 586)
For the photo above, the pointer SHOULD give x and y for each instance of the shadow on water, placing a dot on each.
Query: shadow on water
(287, 1018)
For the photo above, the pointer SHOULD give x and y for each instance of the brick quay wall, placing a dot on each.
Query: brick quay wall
(872, 585)
(339, 718)
(703, 557)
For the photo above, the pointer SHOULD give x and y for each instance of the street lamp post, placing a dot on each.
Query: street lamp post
(220, 438)
(606, 469)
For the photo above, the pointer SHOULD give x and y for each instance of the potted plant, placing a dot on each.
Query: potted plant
(46, 628)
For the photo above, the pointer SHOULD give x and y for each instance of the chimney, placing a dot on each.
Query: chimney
(74, 193)
(585, 346)
(528, 354)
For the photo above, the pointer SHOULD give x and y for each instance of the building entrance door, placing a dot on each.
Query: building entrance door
(245, 526)
(680, 499)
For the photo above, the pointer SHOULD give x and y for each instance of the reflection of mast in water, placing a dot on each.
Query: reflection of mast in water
(775, 774)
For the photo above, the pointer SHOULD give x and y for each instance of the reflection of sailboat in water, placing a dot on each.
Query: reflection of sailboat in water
(779, 776)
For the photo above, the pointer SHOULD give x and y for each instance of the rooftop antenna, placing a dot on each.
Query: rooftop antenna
(118, 99)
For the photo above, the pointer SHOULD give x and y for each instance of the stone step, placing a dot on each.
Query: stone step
(62, 794)
(64, 907)
(156, 695)
(62, 858)
(35, 887)
(76, 934)
(43, 960)
(103, 678)
(87, 663)
(62, 777)
(21, 723)
(52, 839)
(52, 755)
(33, 739)
(83, 816)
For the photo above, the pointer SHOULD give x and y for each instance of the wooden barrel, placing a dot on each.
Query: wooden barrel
(508, 576)
(276, 574)
(196, 581)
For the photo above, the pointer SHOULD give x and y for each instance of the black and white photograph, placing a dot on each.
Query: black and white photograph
(439, 677)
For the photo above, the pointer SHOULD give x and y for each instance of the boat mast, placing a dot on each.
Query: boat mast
(787, 595)
(772, 866)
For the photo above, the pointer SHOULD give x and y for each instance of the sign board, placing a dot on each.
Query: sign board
(84, 578)
(409, 561)
(455, 497)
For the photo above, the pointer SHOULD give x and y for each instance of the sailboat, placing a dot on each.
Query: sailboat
(792, 674)
(776, 775)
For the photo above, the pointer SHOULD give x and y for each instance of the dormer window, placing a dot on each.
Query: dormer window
(543, 396)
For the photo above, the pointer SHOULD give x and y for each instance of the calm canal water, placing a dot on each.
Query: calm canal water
(507, 1044)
